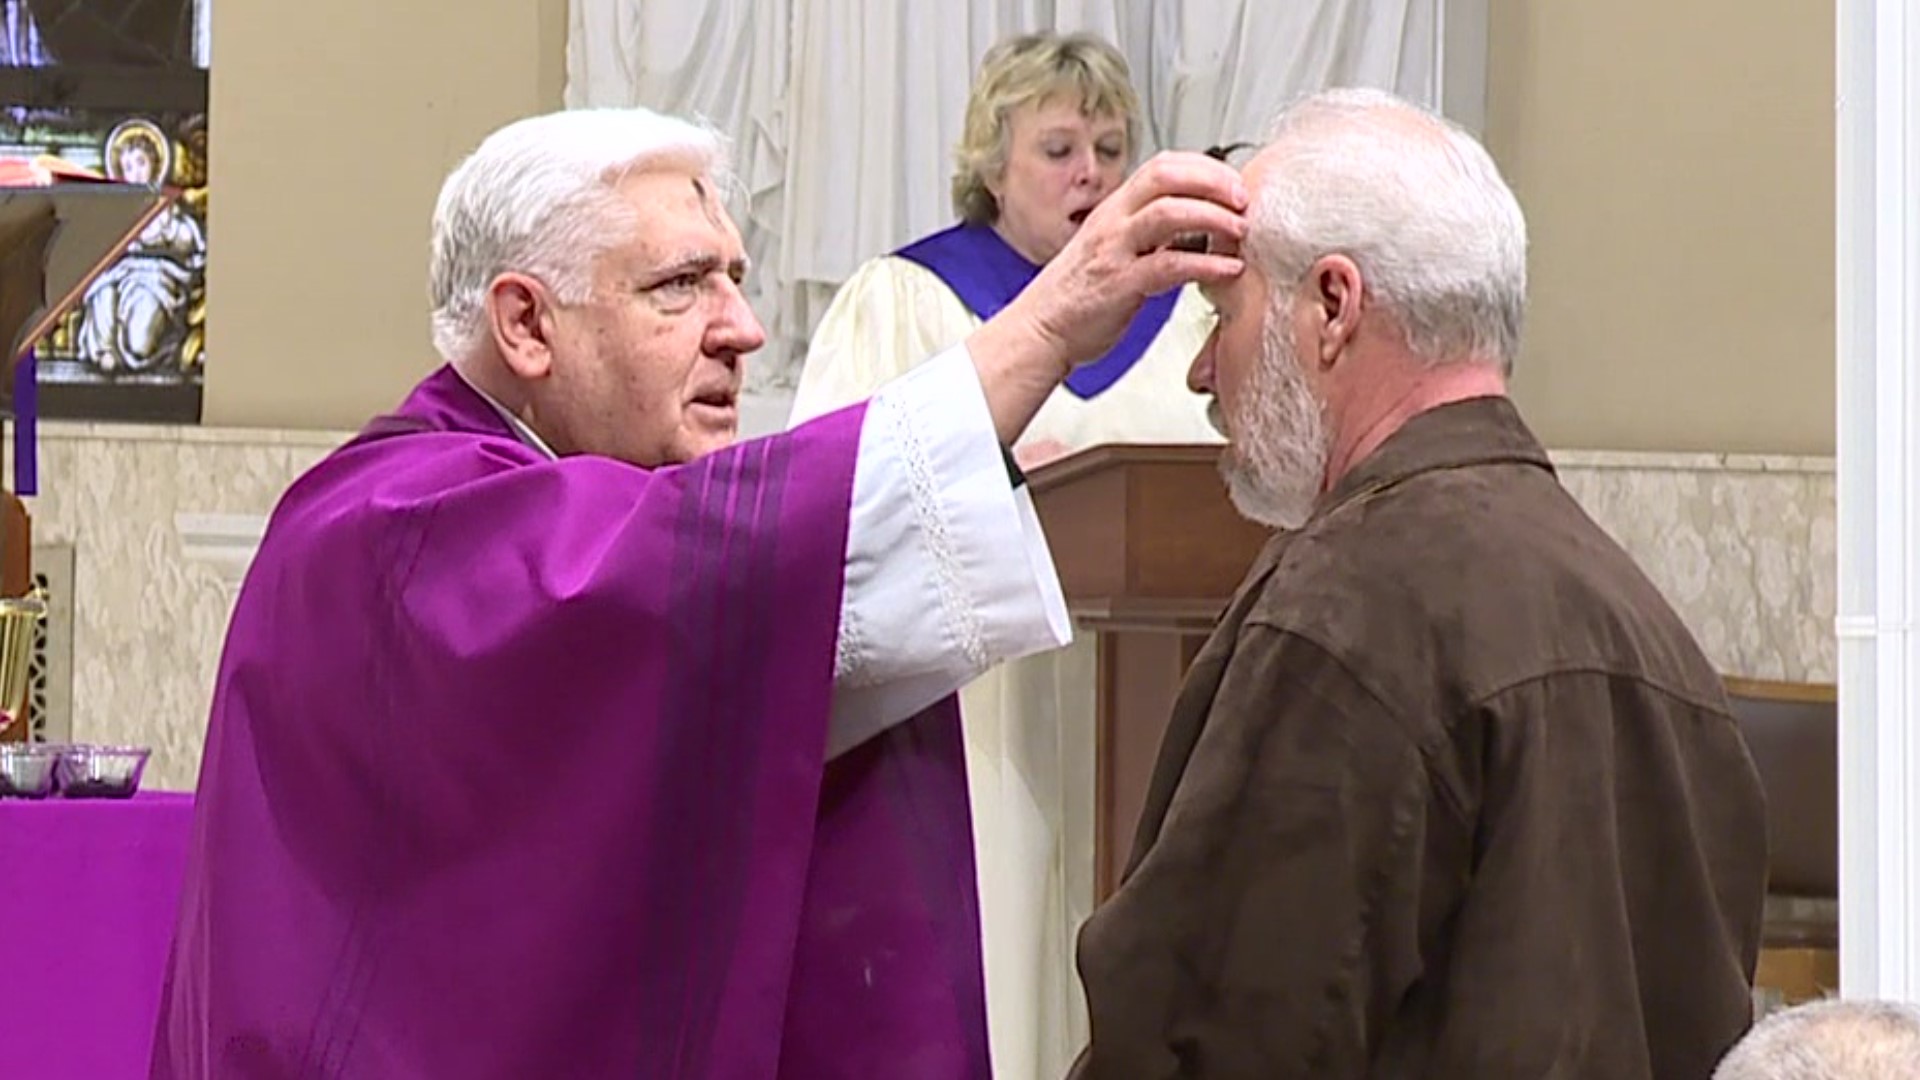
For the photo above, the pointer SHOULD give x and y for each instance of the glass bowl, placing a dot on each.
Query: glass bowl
(27, 770)
(101, 772)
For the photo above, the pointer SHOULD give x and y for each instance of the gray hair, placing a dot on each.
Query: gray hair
(1416, 202)
(1829, 1040)
(538, 197)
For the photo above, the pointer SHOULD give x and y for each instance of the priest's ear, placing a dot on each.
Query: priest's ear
(520, 314)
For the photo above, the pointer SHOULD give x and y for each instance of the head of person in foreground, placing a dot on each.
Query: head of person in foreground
(1829, 1040)
(1385, 275)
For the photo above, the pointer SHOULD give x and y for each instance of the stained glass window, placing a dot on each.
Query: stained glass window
(120, 86)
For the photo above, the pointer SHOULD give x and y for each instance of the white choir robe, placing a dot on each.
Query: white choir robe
(1030, 722)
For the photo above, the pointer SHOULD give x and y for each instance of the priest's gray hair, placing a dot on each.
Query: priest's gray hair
(1829, 1040)
(537, 197)
(1416, 202)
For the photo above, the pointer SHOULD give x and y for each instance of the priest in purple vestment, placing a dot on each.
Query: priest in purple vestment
(558, 735)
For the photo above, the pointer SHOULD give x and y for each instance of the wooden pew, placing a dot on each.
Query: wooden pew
(1792, 731)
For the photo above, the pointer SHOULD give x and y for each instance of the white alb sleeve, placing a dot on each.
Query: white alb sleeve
(948, 572)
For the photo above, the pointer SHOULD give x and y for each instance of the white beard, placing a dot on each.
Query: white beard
(1277, 456)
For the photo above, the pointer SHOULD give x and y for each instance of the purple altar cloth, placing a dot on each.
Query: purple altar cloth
(92, 888)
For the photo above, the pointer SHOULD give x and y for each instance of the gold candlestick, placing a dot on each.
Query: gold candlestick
(19, 618)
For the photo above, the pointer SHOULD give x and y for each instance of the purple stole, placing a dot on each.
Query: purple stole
(515, 768)
(986, 274)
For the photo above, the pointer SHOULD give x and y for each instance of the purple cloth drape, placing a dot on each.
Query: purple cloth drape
(92, 888)
(26, 425)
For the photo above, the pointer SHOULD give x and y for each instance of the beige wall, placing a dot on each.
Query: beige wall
(1675, 158)
(332, 127)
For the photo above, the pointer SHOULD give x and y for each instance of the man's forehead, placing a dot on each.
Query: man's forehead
(1255, 172)
(679, 209)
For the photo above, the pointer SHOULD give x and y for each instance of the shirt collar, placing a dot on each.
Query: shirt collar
(514, 424)
(1477, 431)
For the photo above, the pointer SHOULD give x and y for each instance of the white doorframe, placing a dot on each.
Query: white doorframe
(1878, 457)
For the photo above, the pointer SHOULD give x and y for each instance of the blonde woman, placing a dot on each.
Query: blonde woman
(1050, 131)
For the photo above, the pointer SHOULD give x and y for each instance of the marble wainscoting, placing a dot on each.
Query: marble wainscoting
(161, 522)
(1742, 545)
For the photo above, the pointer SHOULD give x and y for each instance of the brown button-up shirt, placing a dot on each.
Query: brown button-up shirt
(1451, 792)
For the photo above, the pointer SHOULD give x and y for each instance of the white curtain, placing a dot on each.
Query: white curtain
(844, 113)
(1216, 72)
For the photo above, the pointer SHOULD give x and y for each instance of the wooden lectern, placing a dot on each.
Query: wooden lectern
(1149, 551)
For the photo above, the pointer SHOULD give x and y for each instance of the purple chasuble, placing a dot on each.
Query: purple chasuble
(515, 768)
(986, 274)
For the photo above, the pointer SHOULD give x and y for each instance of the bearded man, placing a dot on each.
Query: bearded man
(1451, 791)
